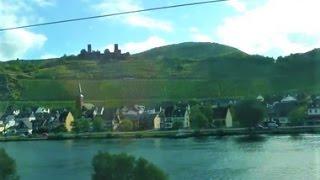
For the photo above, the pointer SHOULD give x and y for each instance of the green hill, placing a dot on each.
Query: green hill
(174, 72)
(190, 50)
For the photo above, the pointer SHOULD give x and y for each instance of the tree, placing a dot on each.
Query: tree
(60, 129)
(81, 125)
(146, 170)
(76, 126)
(124, 167)
(7, 167)
(207, 111)
(85, 125)
(97, 124)
(126, 125)
(198, 119)
(177, 125)
(298, 115)
(249, 113)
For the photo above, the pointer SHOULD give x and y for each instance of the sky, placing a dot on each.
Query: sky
(267, 27)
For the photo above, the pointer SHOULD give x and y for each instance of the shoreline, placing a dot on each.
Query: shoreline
(176, 134)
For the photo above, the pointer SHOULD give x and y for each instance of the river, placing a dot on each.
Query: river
(274, 157)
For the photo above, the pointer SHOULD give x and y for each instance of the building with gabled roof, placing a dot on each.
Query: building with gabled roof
(222, 117)
(176, 115)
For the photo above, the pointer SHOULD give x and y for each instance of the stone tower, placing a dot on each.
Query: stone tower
(116, 48)
(89, 48)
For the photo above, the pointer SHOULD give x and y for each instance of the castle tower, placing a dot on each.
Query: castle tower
(116, 48)
(89, 48)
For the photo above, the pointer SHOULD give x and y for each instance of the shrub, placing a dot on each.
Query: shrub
(7, 167)
(124, 167)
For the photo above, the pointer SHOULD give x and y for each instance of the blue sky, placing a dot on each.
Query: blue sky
(266, 27)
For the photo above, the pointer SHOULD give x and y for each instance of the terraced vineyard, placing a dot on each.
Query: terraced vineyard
(177, 72)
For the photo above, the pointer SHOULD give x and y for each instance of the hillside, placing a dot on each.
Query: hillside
(190, 50)
(175, 72)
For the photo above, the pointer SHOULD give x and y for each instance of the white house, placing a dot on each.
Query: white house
(313, 110)
(10, 123)
(42, 110)
(16, 112)
(176, 114)
(157, 122)
(260, 98)
(2, 127)
(288, 99)
(228, 120)
(313, 113)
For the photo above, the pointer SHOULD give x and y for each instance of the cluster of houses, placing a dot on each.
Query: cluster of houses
(168, 115)
(279, 111)
(164, 116)
(39, 119)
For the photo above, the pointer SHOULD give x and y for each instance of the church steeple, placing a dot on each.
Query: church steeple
(80, 90)
(80, 99)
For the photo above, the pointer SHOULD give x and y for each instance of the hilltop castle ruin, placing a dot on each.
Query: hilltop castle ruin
(106, 55)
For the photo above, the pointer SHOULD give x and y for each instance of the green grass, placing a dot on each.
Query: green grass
(50, 104)
(124, 91)
(114, 92)
(190, 50)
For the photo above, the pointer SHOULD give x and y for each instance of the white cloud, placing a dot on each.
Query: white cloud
(238, 5)
(44, 3)
(139, 20)
(197, 36)
(201, 38)
(273, 27)
(48, 56)
(16, 43)
(136, 47)
(194, 30)
(150, 23)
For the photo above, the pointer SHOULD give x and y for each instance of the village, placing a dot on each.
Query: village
(285, 111)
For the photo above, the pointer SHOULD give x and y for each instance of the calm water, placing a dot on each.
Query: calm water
(276, 157)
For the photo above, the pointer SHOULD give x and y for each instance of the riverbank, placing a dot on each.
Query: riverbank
(169, 134)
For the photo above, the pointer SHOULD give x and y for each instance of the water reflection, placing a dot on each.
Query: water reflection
(250, 143)
(296, 137)
(228, 157)
(201, 139)
(250, 139)
(68, 144)
(221, 138)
